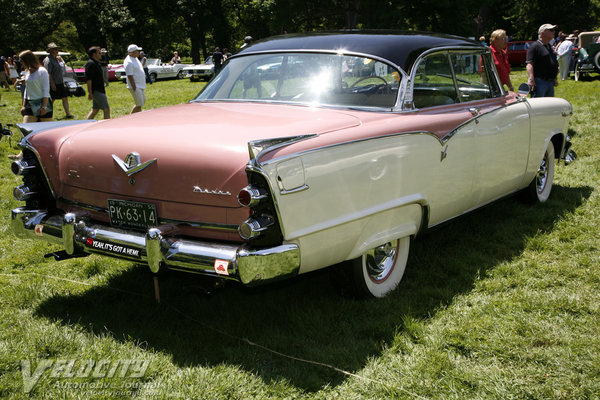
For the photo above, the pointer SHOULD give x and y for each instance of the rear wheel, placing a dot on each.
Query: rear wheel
(597, 61)
(540, 187)
(378, 271)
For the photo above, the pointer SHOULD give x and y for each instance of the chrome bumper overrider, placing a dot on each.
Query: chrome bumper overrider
(238, 262)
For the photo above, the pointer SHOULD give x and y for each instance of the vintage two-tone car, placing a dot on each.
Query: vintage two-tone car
(304, 152)
(157, 70)
(204, 71)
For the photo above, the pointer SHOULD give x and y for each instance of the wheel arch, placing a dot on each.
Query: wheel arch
(558, 141)
(415, 219)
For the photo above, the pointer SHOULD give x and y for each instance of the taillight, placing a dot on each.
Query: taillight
(251, 196)
(22, 167)
(254, 226)
(24, 192)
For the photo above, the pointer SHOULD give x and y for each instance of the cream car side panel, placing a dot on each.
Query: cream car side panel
(356, 196)
(501, 151)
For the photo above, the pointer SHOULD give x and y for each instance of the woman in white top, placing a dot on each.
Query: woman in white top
(36, 101)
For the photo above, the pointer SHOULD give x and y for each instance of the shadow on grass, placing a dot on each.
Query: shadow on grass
(305, 317)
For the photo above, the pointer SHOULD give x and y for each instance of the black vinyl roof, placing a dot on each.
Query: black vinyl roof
(401, 48)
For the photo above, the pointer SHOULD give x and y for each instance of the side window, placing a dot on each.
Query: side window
(488, 66)
(475, 76)
(434, 83)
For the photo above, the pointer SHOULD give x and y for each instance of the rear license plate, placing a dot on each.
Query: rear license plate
(132, 214)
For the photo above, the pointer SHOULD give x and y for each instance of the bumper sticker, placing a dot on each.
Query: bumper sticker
(113, 248)
(221, 267)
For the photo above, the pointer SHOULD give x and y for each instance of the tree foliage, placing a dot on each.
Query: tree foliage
(195, 27)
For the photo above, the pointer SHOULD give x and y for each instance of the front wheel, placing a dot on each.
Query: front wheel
(379, 271)
(180, 75)
(153, 77)
(577, 74)
(540, 187)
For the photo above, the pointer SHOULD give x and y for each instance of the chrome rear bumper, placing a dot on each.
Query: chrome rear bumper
(158, 249)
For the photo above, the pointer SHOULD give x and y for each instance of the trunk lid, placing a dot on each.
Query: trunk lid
(201, 149)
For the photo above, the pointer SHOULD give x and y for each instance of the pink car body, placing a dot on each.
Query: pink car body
(294, 158)
(80, 72)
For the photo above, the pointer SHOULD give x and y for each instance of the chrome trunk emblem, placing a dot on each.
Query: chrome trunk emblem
(132, 163)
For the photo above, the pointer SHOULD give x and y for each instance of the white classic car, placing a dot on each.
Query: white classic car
(205, 71)
(157, 70)
(305, 151)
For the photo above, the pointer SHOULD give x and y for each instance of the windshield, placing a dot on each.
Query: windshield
(306, 78)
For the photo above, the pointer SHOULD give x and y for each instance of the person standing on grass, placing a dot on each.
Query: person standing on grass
(542, 65)
(104, 61)
(136, 79)
(217, 60)
(564, 52)
(36, 101)
(498, 42)
(57, 85)
(95, 84)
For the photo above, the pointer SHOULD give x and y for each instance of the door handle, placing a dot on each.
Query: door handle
(474, 111)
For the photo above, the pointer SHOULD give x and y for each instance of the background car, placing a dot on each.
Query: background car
(73, 88)
(517, 51)
(297, 157)
(157, 70)
(80, 72)
(587, 55)
(203, 71)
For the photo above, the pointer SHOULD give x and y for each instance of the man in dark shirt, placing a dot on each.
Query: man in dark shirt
(58, 90)
(217, 59)
(95, 84)
(542, 64)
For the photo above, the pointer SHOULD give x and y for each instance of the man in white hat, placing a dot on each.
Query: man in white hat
(57, 84)
(542, 65)
(564, 51)
(136, 79)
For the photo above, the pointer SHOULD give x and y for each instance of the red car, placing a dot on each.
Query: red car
(80, 72)
(517, 51)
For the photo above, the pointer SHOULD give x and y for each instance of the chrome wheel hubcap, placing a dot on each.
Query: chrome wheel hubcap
(542, 175)
(380, 261)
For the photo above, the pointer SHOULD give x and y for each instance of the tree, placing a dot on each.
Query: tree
(28, 23)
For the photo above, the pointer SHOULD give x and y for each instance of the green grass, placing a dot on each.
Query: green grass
(501, 304)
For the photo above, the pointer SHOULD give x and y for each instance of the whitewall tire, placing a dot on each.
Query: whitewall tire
(540, 187)
(379, 271)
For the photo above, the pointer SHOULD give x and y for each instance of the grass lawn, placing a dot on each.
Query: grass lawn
(501, 304)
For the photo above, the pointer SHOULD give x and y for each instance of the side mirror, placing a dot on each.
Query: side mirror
(523, 89)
